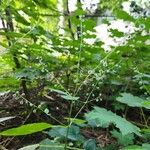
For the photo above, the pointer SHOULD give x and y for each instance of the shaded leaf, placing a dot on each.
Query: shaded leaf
(144, 146)
(90, 145)
(123, 140)
(103, 118)
(132, 101)
(72, 133)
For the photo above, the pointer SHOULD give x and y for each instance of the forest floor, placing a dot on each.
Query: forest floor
(23, 112)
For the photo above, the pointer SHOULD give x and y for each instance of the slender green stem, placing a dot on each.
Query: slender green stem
(70, 112)
(49, 115)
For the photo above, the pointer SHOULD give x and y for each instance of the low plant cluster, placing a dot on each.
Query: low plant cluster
(69, 87)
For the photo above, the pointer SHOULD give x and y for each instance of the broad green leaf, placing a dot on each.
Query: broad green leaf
(26, 129)
(133, 147)
(133, 101)
(90, 145)
(49, 145)
(144, 146)
(72, 133)
(123, 140)
(30, 73)
(100, 117)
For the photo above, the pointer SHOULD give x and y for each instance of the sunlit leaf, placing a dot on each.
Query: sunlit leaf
(49, 145)
(26, 129)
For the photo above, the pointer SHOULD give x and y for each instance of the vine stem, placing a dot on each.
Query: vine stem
(105, 58)
(70, 112)
(87, 100)
(49, 115)
(84, 104)
(80, 49)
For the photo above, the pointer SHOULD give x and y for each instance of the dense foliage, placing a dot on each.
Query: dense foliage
(78, 88)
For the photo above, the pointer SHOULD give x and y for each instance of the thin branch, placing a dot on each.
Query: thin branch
(69, 21)
(65, 14)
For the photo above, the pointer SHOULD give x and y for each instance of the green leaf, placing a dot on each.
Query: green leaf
(90, 145)
(49, 145)
(133, 101)
(123, 140)
(30, 147)
(59, 91)
(116, 33)
(147, 87)
(143, 21)
(146, 104)
(69, 97)
(46, 3)
(144, 146)
(72, 133)
(19, 18)
(146, 130)
(89, 24)
(78, 12)
(26, 129)
(12, 34)
(103, 118)
(120, 14)
(65, 95)
(76, 121)
(133, 147)
(30, 73)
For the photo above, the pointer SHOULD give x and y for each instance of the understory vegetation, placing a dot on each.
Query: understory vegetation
(74, 75)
